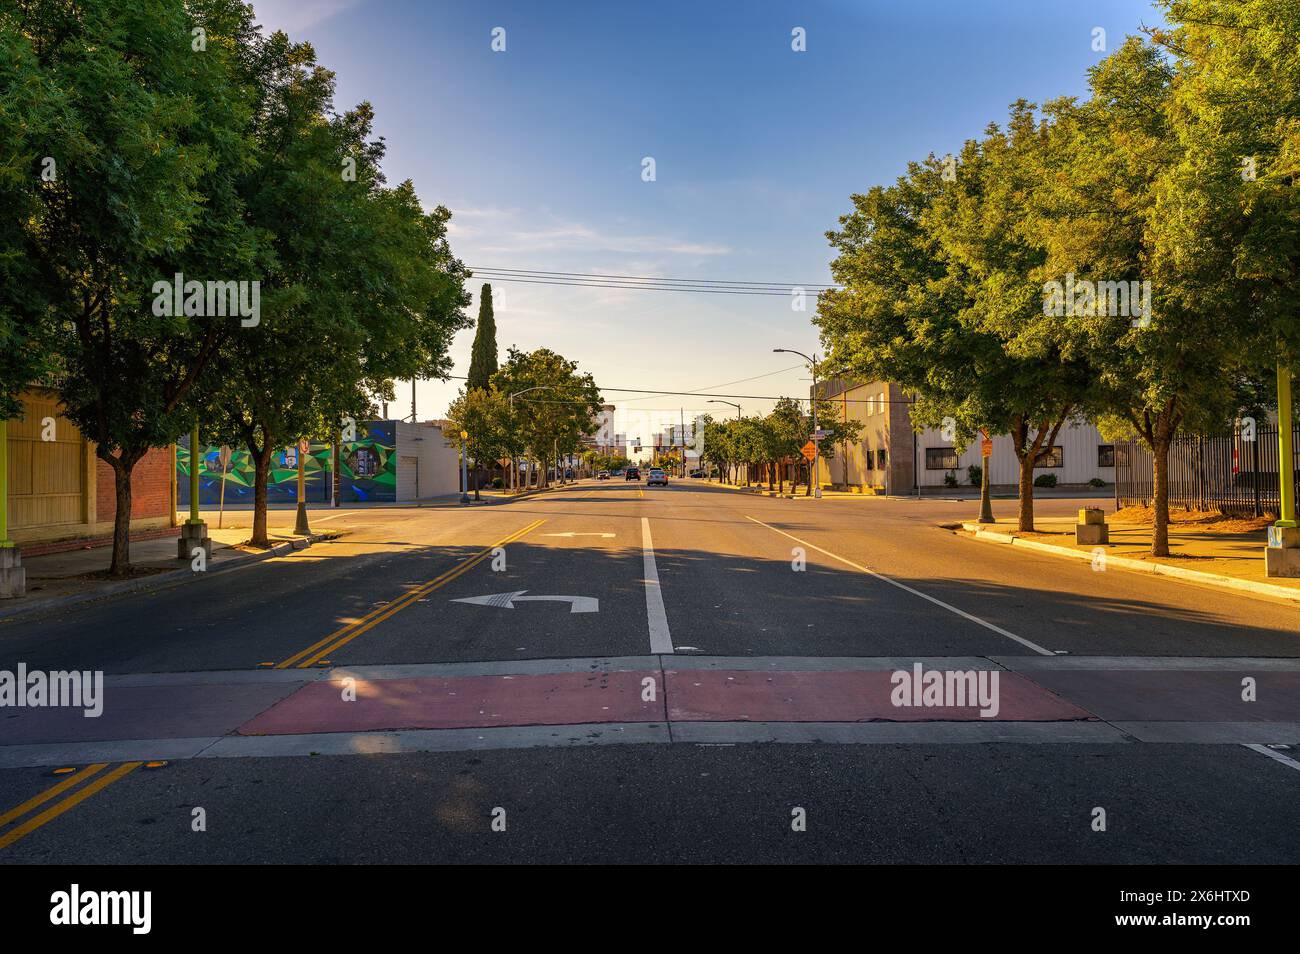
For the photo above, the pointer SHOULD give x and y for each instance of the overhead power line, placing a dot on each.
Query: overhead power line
(646, 278)
(836, 399)
(707, 286)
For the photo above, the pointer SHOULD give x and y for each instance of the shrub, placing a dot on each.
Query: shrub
(1096, 482)
(497, 482)
(950, 479)
(1045, 480)
(975, 474)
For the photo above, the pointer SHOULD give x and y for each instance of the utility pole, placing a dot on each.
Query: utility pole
(413, 418)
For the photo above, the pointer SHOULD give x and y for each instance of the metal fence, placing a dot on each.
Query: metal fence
(1225, 472)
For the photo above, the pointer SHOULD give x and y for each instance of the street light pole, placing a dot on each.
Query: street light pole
(816, 461)
(464, 469)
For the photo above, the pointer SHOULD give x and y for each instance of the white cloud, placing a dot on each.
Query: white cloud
(495, 231)
(294, 16)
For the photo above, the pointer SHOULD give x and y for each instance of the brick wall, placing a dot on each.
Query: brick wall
(151, 487)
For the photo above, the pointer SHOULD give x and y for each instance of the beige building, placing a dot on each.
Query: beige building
(58, 491)
(891, 458)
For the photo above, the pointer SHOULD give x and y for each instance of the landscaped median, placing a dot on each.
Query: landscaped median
(1205, 548)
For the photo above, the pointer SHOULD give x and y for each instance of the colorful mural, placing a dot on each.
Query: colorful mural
(368, 471)
(368, 465)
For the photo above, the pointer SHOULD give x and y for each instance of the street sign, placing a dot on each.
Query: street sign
(986, 447)
(821, 434)
(578, 604)
(809, 451)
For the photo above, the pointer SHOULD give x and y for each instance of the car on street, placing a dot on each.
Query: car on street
(603, 475)
(632, 473)
(656, 476)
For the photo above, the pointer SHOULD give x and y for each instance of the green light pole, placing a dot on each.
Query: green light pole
(195, 458)
(194, 532)
(1285, 469)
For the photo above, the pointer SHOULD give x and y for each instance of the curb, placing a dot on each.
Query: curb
(973, 531)
(161, 580)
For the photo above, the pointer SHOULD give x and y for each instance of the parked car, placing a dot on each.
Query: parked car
(656, 476)
(697, 474)
(616, 473)
(603, 475)
(568, 473)
(632, 473)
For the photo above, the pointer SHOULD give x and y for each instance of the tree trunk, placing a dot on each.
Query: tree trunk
(261, 472)
(807, 490)
(121, 565)
(476, 496)
(1026, 520)
(1160, 481)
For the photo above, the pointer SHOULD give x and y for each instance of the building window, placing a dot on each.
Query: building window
(880, 458)
(940, 458)
(1105, 455)
(1051, 459)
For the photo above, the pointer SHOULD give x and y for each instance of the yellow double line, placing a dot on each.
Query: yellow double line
(58, 808)
(341, 637)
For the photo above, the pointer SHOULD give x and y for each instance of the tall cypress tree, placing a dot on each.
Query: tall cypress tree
(483, 359)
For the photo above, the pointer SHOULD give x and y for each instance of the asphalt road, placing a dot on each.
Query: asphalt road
(702, 666)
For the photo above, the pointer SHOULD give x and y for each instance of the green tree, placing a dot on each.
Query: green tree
(483, 358)
(149, 136)
(787, 432)
(943, 296)
(1118, 210)
(840, 432)
(1226, 244)
(484, 414)
(553, 421)
(362, 287)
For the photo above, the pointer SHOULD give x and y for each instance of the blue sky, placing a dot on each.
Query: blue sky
(537, 150)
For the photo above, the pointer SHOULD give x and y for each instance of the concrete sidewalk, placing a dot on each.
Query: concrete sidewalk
(68, 577)
(947, 495)
(1198, 554)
